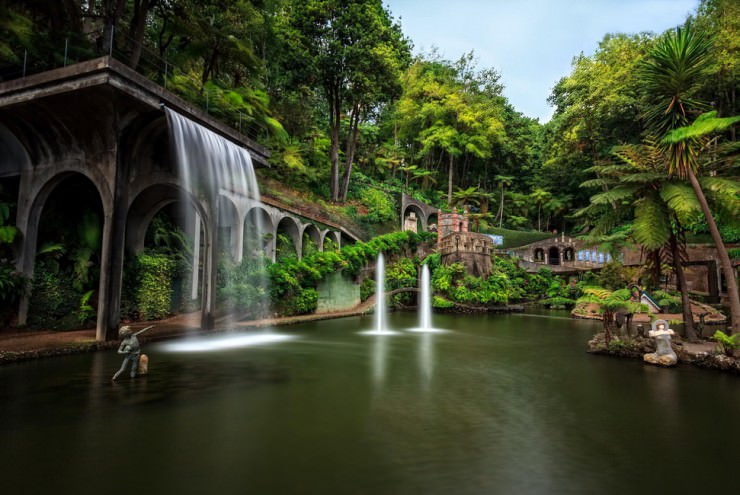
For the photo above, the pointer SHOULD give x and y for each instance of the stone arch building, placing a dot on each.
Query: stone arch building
(102, 124)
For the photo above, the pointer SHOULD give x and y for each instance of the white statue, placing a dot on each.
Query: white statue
(663, 354)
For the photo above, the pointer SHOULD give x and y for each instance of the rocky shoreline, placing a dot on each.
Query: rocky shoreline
(703, 355)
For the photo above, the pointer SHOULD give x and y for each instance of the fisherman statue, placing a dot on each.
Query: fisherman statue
(664, 354)
(131, 349)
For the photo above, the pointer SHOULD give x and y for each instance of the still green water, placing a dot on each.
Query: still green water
(499, 404)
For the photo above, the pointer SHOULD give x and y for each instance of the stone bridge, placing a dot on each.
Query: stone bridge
(96, 132)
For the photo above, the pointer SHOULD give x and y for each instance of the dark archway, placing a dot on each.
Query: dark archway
(66, 283)
(569, 254)
(287, 238)
(311, 242)
(258, 233)
(553, 256)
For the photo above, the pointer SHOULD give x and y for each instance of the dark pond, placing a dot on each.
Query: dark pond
(506, 404)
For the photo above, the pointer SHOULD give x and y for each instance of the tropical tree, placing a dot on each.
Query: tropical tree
(466, 198)
(504, 181)
(661, 206)
(356, 54)
(447, 114)
(540, 197)
(672, 72)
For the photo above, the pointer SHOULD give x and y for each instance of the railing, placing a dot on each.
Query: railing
(152, 65)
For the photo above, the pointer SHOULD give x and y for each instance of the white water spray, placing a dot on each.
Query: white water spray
(425, 301)
(381, 324)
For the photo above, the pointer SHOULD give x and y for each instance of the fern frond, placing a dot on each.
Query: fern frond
(643, 177)
(681, 199)
(599, 182)
(652, 227)
(617, 194)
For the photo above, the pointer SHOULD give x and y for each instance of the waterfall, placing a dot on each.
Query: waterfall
(210, 163)
(218, 173)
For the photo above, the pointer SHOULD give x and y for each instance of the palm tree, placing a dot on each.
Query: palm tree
(672, 71)
(425, 176)
(540, 197)
(465, 197)
(503, 181)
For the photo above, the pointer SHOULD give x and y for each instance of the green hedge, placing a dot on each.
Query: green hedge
(153, 295)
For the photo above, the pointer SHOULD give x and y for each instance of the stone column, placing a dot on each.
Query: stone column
(210, 268)
(196, 256)
(27, 221)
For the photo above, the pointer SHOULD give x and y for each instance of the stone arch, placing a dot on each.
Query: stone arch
(291, 229)
(553, 255)
(13, 155)
(310, 235)
(333, 236)
(345, 240)
(229, 224)
(259, 233)
(413, 211)
(65, 199)
(432, 221)
(569, 254)
(539, 255)
(422, 210)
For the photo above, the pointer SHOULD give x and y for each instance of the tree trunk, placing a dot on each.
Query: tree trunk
(449, 182)
(137, 28)
(539, 223)
(353, 135)
(724, 258)
(688, 316)
(501, 209)
(334, 120)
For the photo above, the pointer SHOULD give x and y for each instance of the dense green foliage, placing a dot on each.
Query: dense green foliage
(293, 282)
(334, 88)
(353, 120)
(154, 293)
(727, 343)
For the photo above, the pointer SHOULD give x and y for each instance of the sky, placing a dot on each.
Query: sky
(531, 43)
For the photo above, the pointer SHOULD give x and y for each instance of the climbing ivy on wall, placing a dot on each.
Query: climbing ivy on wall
(154, 288)
(293, 281)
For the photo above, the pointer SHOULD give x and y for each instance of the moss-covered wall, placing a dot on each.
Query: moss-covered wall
(337, 292)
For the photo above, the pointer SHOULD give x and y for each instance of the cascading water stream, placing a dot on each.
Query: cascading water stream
(219, 173)
(425, 302)
(209, 162)
(381, 325)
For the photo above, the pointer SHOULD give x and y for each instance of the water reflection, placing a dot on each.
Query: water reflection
(378, 362)
(426, 359)
(663, 386)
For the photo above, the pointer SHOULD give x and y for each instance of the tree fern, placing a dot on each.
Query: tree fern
(652, 227)
(681, 199)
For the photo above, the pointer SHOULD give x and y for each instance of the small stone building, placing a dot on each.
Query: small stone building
(456, 244)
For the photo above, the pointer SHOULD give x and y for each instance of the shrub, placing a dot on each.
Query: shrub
(442, 303)
(668, 302)
(380, 205)
(12, 285)
(558, 303)
(367, 289)
(154, 288)
(727, 343)
(612, 276)
(53, 299)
